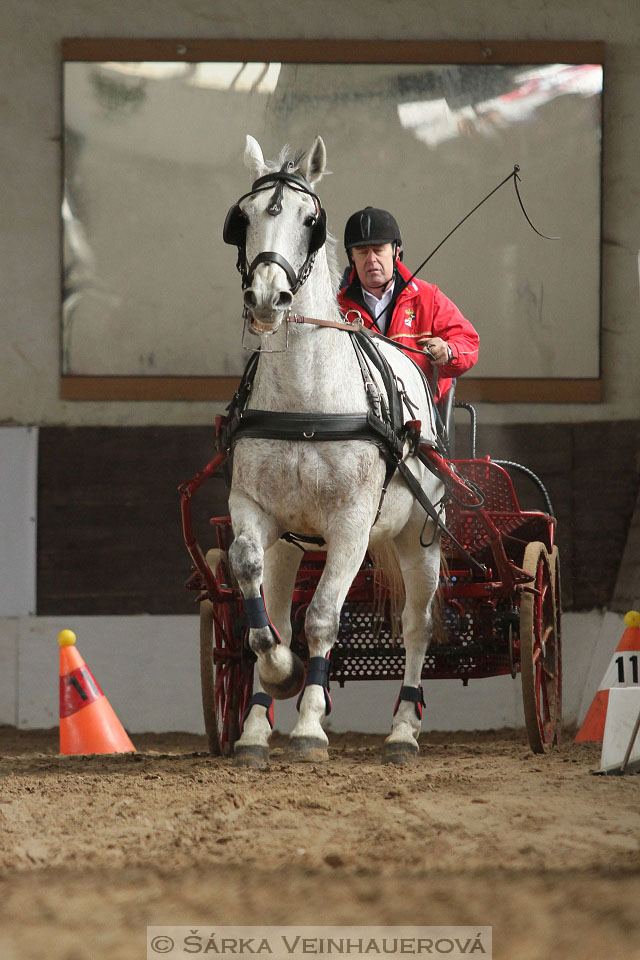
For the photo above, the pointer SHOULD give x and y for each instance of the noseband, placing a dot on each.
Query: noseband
(235, 228)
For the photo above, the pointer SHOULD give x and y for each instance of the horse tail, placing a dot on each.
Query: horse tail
(388, 587)
(439, 635)
(389, 594)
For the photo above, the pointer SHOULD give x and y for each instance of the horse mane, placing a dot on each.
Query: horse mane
(332, 261)
(281, 163)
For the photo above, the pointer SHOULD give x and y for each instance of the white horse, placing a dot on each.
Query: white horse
(330, 489)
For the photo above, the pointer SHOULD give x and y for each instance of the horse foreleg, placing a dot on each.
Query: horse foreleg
(281, 564)
(307, 740)
(281, 672)
(420, 570)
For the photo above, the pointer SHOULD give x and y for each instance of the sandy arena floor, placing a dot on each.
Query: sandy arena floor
(477, 832)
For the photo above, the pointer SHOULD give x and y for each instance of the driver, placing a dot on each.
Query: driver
(417, 315)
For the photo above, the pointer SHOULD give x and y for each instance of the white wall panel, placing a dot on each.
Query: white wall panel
(18, 499)
(148, 668)
(9, 632)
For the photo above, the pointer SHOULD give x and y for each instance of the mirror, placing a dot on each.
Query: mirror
(154, 137)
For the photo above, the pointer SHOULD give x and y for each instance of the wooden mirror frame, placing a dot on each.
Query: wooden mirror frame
(185, 388)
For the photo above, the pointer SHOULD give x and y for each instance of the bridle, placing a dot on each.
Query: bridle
(235, 227)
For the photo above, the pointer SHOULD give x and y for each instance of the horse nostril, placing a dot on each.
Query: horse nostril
(250, 299)
(285, 299)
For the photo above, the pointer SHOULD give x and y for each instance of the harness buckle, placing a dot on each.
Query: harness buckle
(374, 398)
(357, 322)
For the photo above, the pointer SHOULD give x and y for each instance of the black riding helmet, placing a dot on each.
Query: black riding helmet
(371, 226)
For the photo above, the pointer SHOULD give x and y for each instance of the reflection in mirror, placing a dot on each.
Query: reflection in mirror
(153, 160)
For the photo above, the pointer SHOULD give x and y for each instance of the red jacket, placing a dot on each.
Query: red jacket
(422, 310)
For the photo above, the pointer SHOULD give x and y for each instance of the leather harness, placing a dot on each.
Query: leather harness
(383, 425)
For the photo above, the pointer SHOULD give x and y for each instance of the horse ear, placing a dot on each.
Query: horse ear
(253, 159)
(316, 162)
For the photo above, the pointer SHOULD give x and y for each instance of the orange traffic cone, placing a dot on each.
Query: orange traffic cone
(623, 671)
(88, 723)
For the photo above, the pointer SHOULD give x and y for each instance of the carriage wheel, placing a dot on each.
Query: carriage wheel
(540, 650)
(554, 560)
(226, 672)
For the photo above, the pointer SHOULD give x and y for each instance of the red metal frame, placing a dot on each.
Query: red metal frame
(187, 491)
(509, 576)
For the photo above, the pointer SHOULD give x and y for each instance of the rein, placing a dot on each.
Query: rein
(348, 325)
(351, 325)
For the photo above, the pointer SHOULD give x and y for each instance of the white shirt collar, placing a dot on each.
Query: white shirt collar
(378, 304)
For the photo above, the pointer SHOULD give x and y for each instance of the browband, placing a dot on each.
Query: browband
(293, 178)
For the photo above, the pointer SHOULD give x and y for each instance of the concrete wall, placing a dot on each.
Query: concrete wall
(29, 321)
(30, 165)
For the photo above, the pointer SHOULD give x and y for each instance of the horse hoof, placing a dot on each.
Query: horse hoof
(307, 750)
(395, 751)
(290, 686)
(252, 755)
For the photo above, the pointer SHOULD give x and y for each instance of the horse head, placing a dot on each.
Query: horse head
(278, 227)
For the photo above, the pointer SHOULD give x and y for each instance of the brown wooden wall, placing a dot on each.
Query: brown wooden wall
(109, 530)
(110, 539)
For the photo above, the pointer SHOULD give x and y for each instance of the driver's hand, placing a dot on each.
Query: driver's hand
(436, 348)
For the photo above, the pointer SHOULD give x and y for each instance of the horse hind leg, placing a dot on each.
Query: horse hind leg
(420, 569)
(281, 562)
